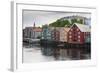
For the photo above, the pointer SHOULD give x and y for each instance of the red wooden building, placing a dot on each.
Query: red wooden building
(78, 33)
(55, 34)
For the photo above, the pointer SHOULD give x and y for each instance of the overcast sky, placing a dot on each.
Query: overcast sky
(45, 17)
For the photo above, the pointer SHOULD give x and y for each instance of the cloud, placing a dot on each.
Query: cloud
(45, 17)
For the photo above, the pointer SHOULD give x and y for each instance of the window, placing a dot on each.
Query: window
(77, 29)
(78, 36)
(70, 36)
(78, 32)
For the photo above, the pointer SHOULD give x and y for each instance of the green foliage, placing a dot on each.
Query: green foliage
(77, 21)
(60, 23)
(74, 21)
(65, 23)
(81, 21)
(45, 26)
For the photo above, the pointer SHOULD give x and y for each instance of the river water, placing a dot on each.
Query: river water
(40, 54)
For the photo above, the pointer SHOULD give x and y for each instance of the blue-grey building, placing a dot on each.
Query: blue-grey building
(46, 32)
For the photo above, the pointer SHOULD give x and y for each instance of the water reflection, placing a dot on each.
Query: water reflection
(37, 53)
(66, 54)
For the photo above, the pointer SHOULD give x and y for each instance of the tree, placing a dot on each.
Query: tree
(80, 21)
(65, 23)
(60, 23)
(73, 21)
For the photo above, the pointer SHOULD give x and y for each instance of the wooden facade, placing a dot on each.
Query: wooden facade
(55, 35)
(78, 33)
(63, 34)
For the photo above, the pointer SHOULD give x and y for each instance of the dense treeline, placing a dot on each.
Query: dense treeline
(65, 23)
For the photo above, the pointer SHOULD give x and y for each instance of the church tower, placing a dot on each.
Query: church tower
(34, 31)
(34, 24)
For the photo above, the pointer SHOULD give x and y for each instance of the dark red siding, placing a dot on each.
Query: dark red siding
(56, 35)
(75, 35)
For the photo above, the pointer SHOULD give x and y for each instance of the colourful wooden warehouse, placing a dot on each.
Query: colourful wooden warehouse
(79, 33)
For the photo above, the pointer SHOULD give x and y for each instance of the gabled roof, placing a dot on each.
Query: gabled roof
(82, 27)
(37, 29)
(66, 29)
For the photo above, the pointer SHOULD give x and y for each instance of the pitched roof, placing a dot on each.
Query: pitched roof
(37, 29)
(82, 27)
(66, 29)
